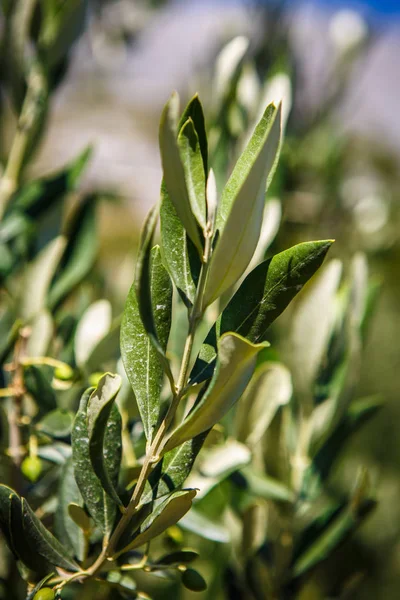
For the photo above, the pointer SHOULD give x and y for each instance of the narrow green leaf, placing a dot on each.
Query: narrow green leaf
(192, 162)
(239, 218)
(263, 486)
(228, 65)
(99, 504)
(174, 175)
(67, 530)
(140, 358)
(23, 546)
(270, 388)
(261, 298)
(38, 276)
(106, 350)
(94, 324)
(181, 256)
(335, 534)
(198, 523)
(359, 413)
(234, 368)
(313, 321)
(80, 253)
(36, 197)
(37, 383)
(166, 512)
(44, 542)
(194, 111)
(173, 469)
(57, 423)
(6, 494)
(180, 557)
(103, 416)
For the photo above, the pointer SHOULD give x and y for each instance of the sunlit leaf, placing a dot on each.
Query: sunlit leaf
(235, 366)
(93, 326)
(241, 208)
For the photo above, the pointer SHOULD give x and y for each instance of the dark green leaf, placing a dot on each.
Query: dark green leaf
(180, 557)
(39, 386)
(268, 289)
(336, 533)
(57, 423)
(104, 428)
(194, 111)
(192, 580)
(141, 360)
(174, 468)
(98, 503)
(192, 162)
(80, 253)
(174, 175)
(359, 413)
(234, 368)
(166, 512)
(44, 542)
(180, 254)
(37, 196)
(181, 257)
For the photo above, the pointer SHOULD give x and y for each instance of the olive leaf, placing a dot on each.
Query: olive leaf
(239, 217)
(103, 418)
(173, 170)
(166, 512)
(66, 528)
(180, 254)
(38, 276)
(100, 506)
(192, 162)
(141, 360)
(234, 368)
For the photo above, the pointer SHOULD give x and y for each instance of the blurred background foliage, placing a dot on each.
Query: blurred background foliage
(334, 181)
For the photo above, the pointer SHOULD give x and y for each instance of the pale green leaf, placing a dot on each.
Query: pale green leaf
(241, 209)
(93, 326)
(270, 388)
(234, 368)
(38, 276)
(311, 329)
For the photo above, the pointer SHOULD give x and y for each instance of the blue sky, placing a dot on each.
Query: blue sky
(381, 6)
